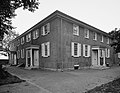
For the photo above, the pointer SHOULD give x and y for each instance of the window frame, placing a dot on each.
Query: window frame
(88, 50)
(101, 38)
(22, 40)
(36, 34)
(22, 53)
(86, 33)
(44, 50)
(95, 36)
(75, 27)
(107, 53)
(73, 54)
(43, 29)
(28, 37)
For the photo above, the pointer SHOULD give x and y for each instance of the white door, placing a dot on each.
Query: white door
(95, 57)
(36, 58)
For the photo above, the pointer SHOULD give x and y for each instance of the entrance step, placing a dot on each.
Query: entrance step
(99, 67)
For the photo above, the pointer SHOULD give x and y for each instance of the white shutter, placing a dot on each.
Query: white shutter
(43, 49)
(108, 53)
(79, 49)
(88, 33)
(72, 49)
(83, 49)
(42, 30)
(48, 48)
(48, 27)
(88, 55)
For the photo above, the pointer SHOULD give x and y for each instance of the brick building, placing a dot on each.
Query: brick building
(59, 42)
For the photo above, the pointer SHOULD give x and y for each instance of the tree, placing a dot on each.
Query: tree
(7, 12)
(116, 39)
(7, 38)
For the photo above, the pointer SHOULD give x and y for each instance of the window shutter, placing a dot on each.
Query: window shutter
(48, 27)
(43, 49)
(42, 30)
(79, 49)
(108, 53)
(88, 33)
(83, 50)
(72, 49)
(88, 51)
(48, 49)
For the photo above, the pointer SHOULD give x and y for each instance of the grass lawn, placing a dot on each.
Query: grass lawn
(111, 87)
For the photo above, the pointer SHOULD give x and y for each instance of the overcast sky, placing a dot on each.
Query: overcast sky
(102, 14)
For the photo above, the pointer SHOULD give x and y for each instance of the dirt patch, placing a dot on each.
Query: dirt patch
(10, 79)
(111, 87)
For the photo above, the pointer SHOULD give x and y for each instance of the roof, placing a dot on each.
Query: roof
(63, 15)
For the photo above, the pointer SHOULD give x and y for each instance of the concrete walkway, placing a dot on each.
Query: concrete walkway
(77, 81)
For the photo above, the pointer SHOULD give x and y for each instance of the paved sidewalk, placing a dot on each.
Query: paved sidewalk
(65, 82)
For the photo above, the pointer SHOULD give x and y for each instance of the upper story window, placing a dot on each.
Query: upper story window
(108, 40)
(101, 38)
(22, 40)
(35, 34)
(86, 31)
(94, 36)
(18, 42)
(75, 49)
(75, 30)
(86, 50)
(45, 49)
(28, 37)
(45, 29)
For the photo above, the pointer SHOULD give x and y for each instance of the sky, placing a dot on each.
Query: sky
(102, 14)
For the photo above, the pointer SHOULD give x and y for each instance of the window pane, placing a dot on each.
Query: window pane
(75, 48)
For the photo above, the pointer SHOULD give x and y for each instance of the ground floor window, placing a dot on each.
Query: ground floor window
(107, 52)
(86, 50)
(18, 54)
(76, 49)
(22, 53)
(45, 47)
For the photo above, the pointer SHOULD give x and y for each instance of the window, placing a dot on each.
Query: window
(75, 30)
(86, 31)
(28, 37)
(76, 49)
(86, 50)
(18, 42)
(18, 54)
(107, 53)
(108, 41)
(94, 36)
(22, 53)
(45, 29)
(101, 38)
(118, 55)
(22, 40)
(45, 49)
(35, 34)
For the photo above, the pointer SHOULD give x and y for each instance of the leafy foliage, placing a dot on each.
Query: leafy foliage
(7, 12)
(116, 40)
(7, 38)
